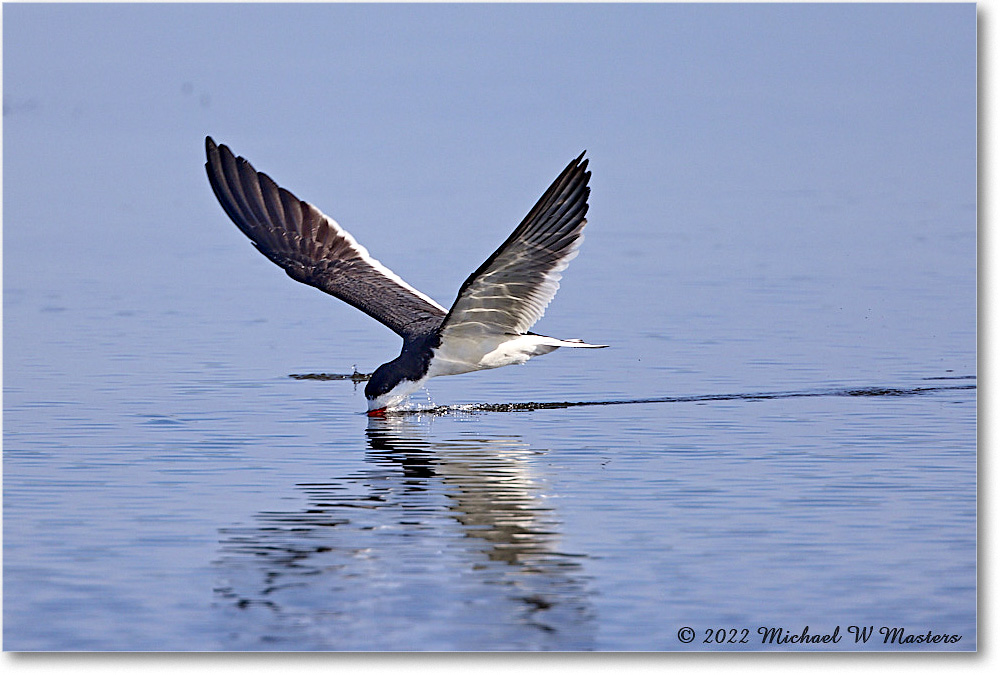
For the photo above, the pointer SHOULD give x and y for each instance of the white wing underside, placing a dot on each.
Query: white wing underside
(488, 324)
(510, 291)
(504, 301)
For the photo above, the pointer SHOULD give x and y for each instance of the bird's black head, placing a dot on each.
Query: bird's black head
(383, 380)
(387, 388)
(392, 382)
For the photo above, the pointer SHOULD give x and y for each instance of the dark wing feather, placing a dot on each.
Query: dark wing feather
(312, 248)
(511, 290)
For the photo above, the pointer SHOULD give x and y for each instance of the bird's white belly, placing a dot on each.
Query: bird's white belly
(464, 355)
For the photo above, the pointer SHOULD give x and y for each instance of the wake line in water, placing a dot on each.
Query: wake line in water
(756, 396)
(704, 398)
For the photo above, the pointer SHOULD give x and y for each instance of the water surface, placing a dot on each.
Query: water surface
(781, 253)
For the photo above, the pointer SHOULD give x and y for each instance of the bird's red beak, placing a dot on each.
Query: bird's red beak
(378, 412)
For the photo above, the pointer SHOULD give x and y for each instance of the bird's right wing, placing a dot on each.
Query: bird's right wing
(511, 290)
(312, 248)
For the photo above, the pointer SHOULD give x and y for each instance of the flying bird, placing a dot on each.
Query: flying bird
(487, 325)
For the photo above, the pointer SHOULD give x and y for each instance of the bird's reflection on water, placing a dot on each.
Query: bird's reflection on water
(443, 544)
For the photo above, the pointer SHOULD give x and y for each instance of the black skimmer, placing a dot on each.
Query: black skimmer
(486, 327)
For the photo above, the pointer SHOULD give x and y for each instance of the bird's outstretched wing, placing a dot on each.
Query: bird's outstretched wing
(511, 290)
(312, 248)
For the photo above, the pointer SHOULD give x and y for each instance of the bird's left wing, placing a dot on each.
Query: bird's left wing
(313, 248)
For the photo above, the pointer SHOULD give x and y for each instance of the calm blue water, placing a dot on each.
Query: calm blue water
(752, 263)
